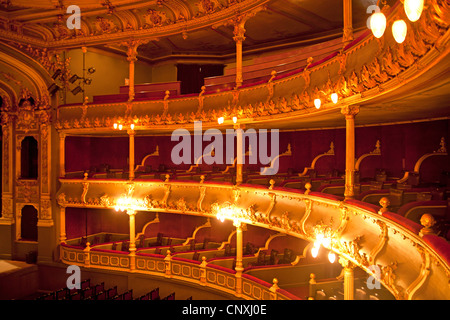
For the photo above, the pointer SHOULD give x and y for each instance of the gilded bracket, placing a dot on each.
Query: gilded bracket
(313, 163)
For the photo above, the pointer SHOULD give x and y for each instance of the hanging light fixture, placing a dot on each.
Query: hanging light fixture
(399, 30)
(413, 9)
(334, 97)
(378, 24)
(317, 103)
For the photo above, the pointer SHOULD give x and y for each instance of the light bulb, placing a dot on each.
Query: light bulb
(234, 119)
(399, 29)
(331, 257)
(120, 127)
(334, 97)
(220, 120)
(326, 242)
(317, 103)
(115, 125)
(378, 24)
(413, 9)
(132, 126)
(315, 252)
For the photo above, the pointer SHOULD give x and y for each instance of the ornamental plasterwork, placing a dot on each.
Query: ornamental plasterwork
(163, 19)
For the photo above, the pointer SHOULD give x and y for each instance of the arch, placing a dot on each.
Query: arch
(28, 223)
(29, 158)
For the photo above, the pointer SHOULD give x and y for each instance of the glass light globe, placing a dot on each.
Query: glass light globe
(399, 30)
(413, 9)
(317, 103)
(315, 252)
(334, 97)
(378, 24)
(331, 257)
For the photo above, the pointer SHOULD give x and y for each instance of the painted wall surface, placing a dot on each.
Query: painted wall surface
(110, 67)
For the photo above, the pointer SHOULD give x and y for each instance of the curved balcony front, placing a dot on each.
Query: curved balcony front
(411, 264)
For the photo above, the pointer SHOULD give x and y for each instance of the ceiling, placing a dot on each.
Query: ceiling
(180, 27)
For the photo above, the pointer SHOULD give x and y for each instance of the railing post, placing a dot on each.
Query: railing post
(203, 271)
(273, 289)
(87, 255)
(312, 285)
(168, 263)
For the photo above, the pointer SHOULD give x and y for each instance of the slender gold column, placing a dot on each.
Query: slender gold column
(131, 134)
(62, 225)
(348, 27)
(132, 58)
(349, 278)
(350, 112)
(132, 248)
(239, 267)
(62, 154)
(239, 154)
(239, 32)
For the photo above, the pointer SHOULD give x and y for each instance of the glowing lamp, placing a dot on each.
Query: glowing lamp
(220, 120)
(132, 126)
(334, 97)
(234, 119)
(317, 103)
(315, 252)
(399, 29)
(120, 127)
(331, 257)
(413, 9)
(378, 24)
(115, 125)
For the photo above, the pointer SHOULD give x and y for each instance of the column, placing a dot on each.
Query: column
(239, 154)
(349, 278)
(62, 225)
(131, 57)
(350, 112)
(348, 28)
(239, 32)
(62, 152)
(239, 268)
(132, 248)
(131, 133)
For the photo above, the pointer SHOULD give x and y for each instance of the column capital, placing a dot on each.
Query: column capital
(345, 263)
(239, 32)
(350, 111)
(132, 46)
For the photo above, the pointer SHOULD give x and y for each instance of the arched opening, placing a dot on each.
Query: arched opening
(28, 224)
(29, 158)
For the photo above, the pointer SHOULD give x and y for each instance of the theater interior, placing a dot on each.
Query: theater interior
(225, 150)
